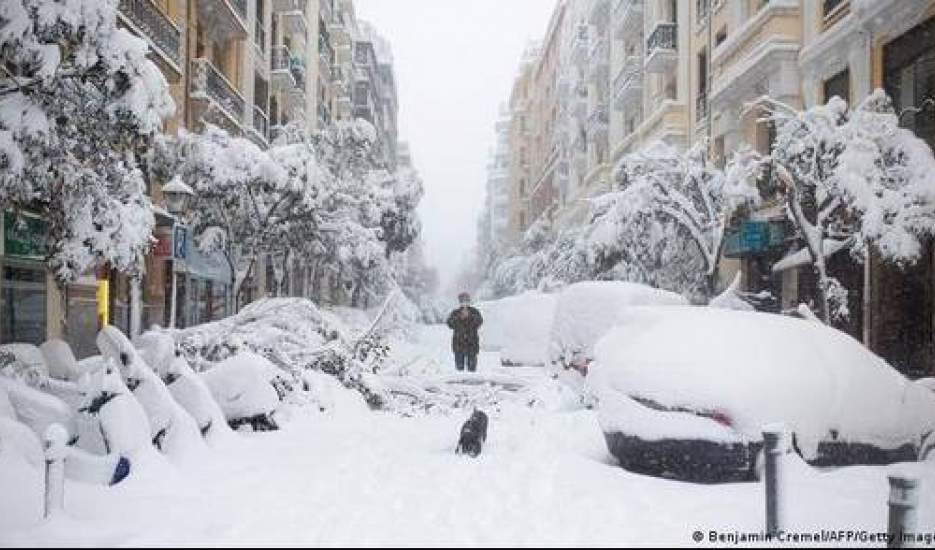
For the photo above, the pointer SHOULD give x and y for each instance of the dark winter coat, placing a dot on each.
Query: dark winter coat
(465, 338)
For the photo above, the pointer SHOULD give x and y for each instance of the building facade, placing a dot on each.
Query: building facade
(690, 72)
(253, 67)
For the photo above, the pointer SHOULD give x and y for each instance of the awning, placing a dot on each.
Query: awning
(802, 257)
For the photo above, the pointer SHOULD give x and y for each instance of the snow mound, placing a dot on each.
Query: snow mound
(60, 360)
(23, 362)
(730, 298)
(758, 369)
(586, 311)
(295, 336)
(518, 327)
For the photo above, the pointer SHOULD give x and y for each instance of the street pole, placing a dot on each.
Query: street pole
(174, 299)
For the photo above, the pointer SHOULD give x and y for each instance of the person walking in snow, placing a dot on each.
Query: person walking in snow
(465, 343)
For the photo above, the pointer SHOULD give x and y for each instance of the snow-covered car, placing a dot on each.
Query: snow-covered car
(586, 311)
(518, 327)
(243, 387)
(685, 392)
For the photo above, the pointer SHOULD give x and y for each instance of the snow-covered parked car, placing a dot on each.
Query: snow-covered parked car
(172, 429)
(685, 392)
(586, 311)
(518, 327)
(188, 389)
(243, 387)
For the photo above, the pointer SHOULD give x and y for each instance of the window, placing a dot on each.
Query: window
(701, 9)
(838, 85)
(720, 37)
(22, 302)
(909, 78)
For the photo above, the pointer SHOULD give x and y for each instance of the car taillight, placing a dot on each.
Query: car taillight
(722, 419)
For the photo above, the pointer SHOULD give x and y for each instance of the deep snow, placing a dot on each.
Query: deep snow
(354, 477)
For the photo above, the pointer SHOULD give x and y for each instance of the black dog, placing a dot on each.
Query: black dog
(473, 434)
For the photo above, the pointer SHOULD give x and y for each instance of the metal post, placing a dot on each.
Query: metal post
(904, 498)
(56, 448)
(173, 307)
(136, 307)
(773, 450)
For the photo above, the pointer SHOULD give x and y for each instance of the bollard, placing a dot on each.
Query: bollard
(773, 451)
(903, 500)
(56, 449)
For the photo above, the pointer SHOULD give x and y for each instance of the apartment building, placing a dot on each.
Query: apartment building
(374, 94)
(497, 198)
(690, 72)
(522, 130)
(253, 67)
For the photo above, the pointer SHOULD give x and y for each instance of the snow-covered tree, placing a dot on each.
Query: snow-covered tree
(242, 198)
(79, 104)
(323, 202)
(853, 177)
(670, 215)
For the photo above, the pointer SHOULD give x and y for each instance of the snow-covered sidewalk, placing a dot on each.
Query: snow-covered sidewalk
(353, 477)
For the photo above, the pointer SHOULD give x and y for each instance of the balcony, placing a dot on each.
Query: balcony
(292, 15)
(598, 122)
(662, 48)
(628, 18)
(227, 18)
(579, 48)
(628, 84)
(209, 84)
(599, 62)
(260, 131)
(147, 20)
(284, 70)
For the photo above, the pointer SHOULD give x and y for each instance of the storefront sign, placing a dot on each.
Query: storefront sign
(163, 248)
(753, 237)
(24, 235)
(180, 244)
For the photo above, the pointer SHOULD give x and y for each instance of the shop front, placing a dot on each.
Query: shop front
(23, 288)
(202, 282)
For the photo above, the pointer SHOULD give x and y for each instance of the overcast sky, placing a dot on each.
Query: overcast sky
(455, 61)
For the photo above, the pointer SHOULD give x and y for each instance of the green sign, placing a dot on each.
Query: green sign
(753, 237)
(24, 235)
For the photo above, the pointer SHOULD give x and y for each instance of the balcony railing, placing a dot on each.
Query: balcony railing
(663, 37)
(208, 82)
(281, 58)
(156, 26)
(291, 5)
(831, 8)
(260, 122)
(240, 6)
(628, 83)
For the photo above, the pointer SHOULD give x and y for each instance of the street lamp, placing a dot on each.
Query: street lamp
(177, 194)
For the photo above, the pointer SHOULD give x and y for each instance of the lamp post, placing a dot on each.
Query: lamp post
(177, 194)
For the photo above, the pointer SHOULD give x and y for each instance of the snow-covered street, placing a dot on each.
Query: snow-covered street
(354, 477)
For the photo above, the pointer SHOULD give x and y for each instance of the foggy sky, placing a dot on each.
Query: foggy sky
(455, 61)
